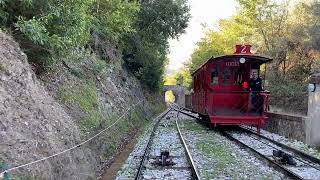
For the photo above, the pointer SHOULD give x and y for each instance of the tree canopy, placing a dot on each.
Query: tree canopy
(157, 22)
(288, 32)
(49, 28)
(181, 77)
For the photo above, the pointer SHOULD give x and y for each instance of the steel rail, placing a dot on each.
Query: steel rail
(283, 169)
(195, 174)
(276, 165)
(190, 110)
(304, 156)
(190, 115)
(274, 146)
(147, 149)
(192, 167)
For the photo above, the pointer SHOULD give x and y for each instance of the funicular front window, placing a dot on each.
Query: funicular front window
(214, 76)
(237, 75)
(232, 75)
(226, 75)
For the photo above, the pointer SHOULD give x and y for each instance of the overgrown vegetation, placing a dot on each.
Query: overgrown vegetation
(2, 68)
(169, 97)
(128, 126)
(27, 177)
(85, 96)
(156, 106)
(77, 42)
(288, 32)
(47, 29)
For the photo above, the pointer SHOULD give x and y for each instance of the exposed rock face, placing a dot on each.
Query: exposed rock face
(33, 125)
(39, 119)
(95, 93)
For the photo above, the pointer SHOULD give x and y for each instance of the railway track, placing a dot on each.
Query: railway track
(170, 159)
(283, 146)
(300, 165)
(293, 163)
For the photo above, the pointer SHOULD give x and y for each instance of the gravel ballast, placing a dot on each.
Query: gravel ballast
(165, 139)
(215, 156)
(290, 142)
(218, 158)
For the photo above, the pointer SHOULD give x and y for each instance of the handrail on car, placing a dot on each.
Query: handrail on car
(245, 92)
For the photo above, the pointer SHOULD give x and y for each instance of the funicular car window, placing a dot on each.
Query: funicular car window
(214, 76)
(226, 75)
(237, 75)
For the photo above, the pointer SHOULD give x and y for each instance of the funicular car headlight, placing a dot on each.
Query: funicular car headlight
(242, 60)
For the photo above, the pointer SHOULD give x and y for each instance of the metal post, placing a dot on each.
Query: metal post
(313, 123)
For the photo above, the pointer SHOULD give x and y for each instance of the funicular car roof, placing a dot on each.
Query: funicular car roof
(263, 59)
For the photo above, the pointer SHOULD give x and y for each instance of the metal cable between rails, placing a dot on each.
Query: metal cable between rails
(69, 149)
(147, 148)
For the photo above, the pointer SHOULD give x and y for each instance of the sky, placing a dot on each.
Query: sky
(207, 12)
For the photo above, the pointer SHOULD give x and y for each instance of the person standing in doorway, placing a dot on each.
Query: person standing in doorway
(256, 87)
(255, 82)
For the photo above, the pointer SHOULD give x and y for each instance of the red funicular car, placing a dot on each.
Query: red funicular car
(226, 89)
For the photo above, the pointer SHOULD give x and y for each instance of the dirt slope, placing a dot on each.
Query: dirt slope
(81, 97)
(33, 125)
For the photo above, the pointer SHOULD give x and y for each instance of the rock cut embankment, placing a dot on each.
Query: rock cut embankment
(41, 118)
(32, 124)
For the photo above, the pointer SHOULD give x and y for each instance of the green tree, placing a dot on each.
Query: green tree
(216, 43)
(161, 20)
(286, 32)
(157, 22)
(181, 77)
(47, 29)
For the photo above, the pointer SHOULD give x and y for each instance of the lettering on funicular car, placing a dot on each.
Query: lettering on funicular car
(232, 63)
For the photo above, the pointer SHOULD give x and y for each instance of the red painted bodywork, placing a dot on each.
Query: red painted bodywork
(224, 95)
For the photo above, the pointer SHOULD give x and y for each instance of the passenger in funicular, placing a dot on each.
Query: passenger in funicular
(255, 87)
(255, 82)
